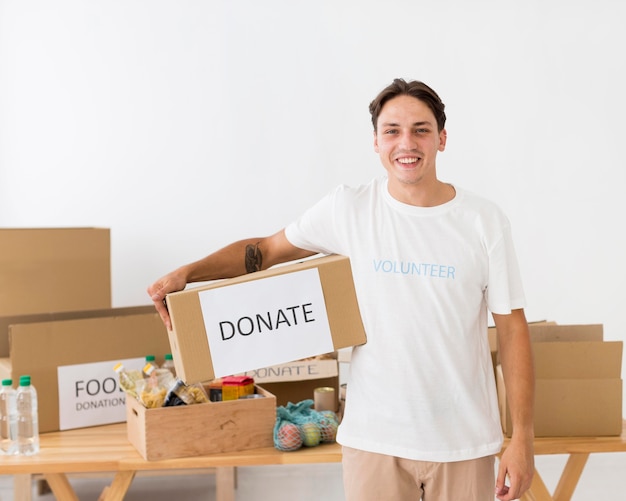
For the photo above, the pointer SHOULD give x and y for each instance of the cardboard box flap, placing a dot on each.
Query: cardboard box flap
(578, 360)
(341, 303)
(540, 333)
(188, 351)
(7, 321)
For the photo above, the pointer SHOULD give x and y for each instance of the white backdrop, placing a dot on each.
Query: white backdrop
(185, 125)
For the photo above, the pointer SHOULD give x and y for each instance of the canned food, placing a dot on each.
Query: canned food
(325, 399)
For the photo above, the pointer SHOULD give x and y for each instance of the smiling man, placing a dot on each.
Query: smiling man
(430, 261)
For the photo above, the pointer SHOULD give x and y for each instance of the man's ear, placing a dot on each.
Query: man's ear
(443, 137)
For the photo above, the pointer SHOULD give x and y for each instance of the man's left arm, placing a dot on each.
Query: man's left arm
(517, 461)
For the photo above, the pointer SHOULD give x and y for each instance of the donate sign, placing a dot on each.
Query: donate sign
(266, 322)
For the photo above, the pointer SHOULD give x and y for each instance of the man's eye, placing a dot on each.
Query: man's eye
(421, 131)
(391, 131)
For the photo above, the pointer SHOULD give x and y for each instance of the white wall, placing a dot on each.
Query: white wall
(185, 125)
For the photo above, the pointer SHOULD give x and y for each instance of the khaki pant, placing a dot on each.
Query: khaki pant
(376, 477)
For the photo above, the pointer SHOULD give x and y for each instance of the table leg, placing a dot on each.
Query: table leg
(538, 490)
(118, 488)
(570, 476)
(225, 479)
(60, 487)
(23, 486)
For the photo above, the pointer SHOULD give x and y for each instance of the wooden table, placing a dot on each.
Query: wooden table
(578, 449)
(106, 449)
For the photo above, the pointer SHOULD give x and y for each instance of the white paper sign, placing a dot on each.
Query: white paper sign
(90, 394)
(266, 322)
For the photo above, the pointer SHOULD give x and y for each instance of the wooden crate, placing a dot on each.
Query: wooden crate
(200, 429)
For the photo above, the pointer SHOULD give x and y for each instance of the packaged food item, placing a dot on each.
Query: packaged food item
(128, 379)
(152, 389)
(157, 387)
(234, 387)
(181, 394)
(325, 399)
(215, 390)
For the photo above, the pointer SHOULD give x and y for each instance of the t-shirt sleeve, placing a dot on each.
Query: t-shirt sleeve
(315, 229)
(505, 290)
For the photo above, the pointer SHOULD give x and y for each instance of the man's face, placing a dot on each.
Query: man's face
(407, 141)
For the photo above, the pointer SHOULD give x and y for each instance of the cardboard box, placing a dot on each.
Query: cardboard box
(578, 382)
(297, 381)
(48, 270)
(265, 318)
(196, 430)
(71, 363)
(6, 322)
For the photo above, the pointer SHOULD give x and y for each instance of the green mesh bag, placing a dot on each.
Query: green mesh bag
(299, 424)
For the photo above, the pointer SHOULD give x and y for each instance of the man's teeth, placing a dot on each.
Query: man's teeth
(407, 160)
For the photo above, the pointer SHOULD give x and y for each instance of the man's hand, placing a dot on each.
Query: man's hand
(518, 465)
(172, 282)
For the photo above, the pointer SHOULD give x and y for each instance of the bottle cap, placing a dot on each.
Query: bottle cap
(168, 356)
(7, 382)
(24, 380)
(150, 358)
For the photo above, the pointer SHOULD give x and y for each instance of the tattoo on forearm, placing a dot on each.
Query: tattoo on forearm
(254, 258)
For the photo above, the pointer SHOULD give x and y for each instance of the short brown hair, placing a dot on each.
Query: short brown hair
(418, 90)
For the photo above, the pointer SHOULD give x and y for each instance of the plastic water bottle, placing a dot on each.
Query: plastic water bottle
(169, 364)
(8, 418)
(27, 418)
(151, 359)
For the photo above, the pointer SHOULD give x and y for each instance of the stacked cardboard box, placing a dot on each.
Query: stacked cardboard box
(57, 324)
(50, 270)
(578, 382)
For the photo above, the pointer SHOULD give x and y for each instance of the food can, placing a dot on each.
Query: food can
(324, 399)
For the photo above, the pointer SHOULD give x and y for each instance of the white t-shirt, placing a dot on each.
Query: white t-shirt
(422, 387)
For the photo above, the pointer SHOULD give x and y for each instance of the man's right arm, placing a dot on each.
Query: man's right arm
(238, 258)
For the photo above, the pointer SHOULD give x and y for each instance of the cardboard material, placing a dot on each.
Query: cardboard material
(196, 430)
(299, 370)
(6, 322)
(190, 337)
(297, 391)
(297, 381)
(578, 390)
(47, 270)
(40, 348)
